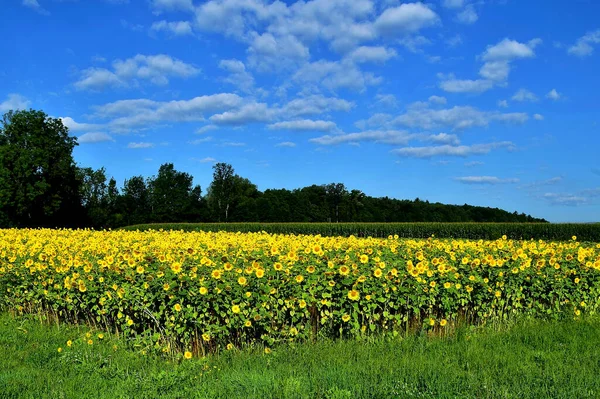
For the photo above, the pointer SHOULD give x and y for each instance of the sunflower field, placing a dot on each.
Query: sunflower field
(199, 292)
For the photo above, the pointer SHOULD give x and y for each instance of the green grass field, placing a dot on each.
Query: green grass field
(531, 359)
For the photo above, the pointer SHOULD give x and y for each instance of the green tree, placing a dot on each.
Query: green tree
(172, 196)
(94, 195)
(221, 190)
(38, 176)
(135, 201)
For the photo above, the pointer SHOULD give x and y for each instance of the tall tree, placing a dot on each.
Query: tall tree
(221, 190)
(38, 176)
(171, 194)
(94, 195)
(135, 201)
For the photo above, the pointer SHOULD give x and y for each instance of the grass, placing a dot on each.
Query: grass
(532, 359)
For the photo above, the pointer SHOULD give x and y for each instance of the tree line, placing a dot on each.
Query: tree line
(41, 186)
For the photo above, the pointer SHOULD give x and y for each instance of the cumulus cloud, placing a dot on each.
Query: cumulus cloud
(246, 114)
(583, 47)
(457, 117)
(156, 69)
(385, 100)
(94, 137)
(395, 137)
(335, 75)
(467, 16)
(497, 60)
(238, 75)
(372, 54)
(405, 19)
(524, 95)
(437, 100)
(176, 28)
(76, 126)
(200, 141)
(503, 103)
(485, 180)
(466, 85)
(553, 95)
(314, 105)
(451, 150)
(129, 114)
(206, 128)
(140, 145)
(538, 117)
(14, 102)
(304, 125)
(287, 144)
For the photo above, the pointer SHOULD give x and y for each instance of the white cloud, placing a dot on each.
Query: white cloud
(437, 100)
(34, 5)
(315, 105)
(466, 85)
(177, 28)
(508, 50)
(386, 100)
(473, 164)
(453, 3)
(206, 128)
(94, 137)
(405, 19)
(268, 52)
(372, 54)
(238, 75)
(395, 137)
(566, 199)
(171, 5)
(287, 144)
(140, 145)
(335, 75)
(14, 102)
(583, 47)
(454, 40)
(247, 113)
(524, 95)
(207, 160)
(538, 117)
(130, 114)
(450, 150)
(375, 120)
(541, 183)
(503, 103)
(76, 126)
(496, 68)
(200, 141)
(553, 95)
(233, 144)
(457, 117)
(485, 180)
(304, 125)
(154, 68)
(467, 16)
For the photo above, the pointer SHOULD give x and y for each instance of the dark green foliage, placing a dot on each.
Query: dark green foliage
(39, 185)
(486, 231)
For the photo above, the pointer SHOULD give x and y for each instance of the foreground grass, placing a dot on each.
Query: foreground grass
(529, 360)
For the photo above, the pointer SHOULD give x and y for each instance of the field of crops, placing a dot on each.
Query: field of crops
(199, 292)
(473, 231)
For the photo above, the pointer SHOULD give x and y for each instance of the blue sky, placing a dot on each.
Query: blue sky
(485, 102)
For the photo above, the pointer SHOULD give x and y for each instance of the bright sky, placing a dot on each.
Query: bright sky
(486, 102)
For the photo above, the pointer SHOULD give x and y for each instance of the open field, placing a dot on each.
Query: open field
(532, 359)
(474, 231)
